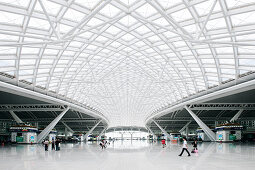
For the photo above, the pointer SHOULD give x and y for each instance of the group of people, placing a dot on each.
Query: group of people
(54, 144)
(103, 144)
(184, 146)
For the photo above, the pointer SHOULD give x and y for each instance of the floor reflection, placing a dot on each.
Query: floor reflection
(128, 154)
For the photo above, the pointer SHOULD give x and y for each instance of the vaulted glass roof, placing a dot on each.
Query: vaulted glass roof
(126, 58)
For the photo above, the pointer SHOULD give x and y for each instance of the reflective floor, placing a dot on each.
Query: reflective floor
(128, 155)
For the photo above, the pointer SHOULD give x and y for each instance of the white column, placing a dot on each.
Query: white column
(187, 132)
(205, 128)
(163, 130)
(68, 127)
(91, 130)
(122, 138)
(184, 127)
(15, 117)
(103, 131)
(66, 133)
(47, 130)
(153, 134)
(237, 115)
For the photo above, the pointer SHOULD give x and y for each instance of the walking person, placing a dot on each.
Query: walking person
(163, 142)
(52, 144)
(194, 146)
(102, 144)
(184, 147)
(46, 145)
(57, 144)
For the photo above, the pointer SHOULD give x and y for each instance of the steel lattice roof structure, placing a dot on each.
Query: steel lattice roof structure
(126, 59)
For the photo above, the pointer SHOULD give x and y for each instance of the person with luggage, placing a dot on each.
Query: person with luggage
(46, 145)
(163, 142)
(57, 145)
(52, 144)
(102, 144)
(194, 146)
(184, 147)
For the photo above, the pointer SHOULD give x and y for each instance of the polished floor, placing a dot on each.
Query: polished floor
(128, 155)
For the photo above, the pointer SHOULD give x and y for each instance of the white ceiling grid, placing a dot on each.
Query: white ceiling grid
(126, 58)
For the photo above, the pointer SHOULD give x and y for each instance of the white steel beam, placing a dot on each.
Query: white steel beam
(15, 117)
(9, 88)
(237, 115)
(232, 88)
(101, 133)
(184, 127)
(91, 130)
(163, 130)
(48, 18)
(47, 130)
(85, 20)
(68, 127)
(153, 134)
(206, 20)
(205, 128)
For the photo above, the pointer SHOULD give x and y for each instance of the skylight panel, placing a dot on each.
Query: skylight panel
(169, 3)
(227, 61)
(27, 62)
(101, 39)
(204, 8)
(64, 28)
(146, 10)
(246, 50)
(227, 71)
(237, 3)
(51, 7)
(27, 50)
(113, 30)
(243, 19)
(127, 37)
(88, 3)
(7, 50)
(94, 21)
(109, 10)
(38, 23)
(4, 37)
(181, 15)
(45, 70)
(128, 20)
(11, 18)
(23, 3)
(154, 38)
(247, 62)
(224, 50)
(74, 15)
(216, 23)
(7, 63)
(142, 30)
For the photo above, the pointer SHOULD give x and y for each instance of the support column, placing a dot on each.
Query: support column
(153, 134)
(205, 128)
(131, 134)
(184, 127)
(68, 127)
(187, 132)
(15, 117)
(91, 130)
(163, 130)
(237, 115)
(47, 130)
(122, 138)
(215, 123)
(66, 133)
(103, 131)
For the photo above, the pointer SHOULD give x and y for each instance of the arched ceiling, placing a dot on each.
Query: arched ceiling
(126, 58)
